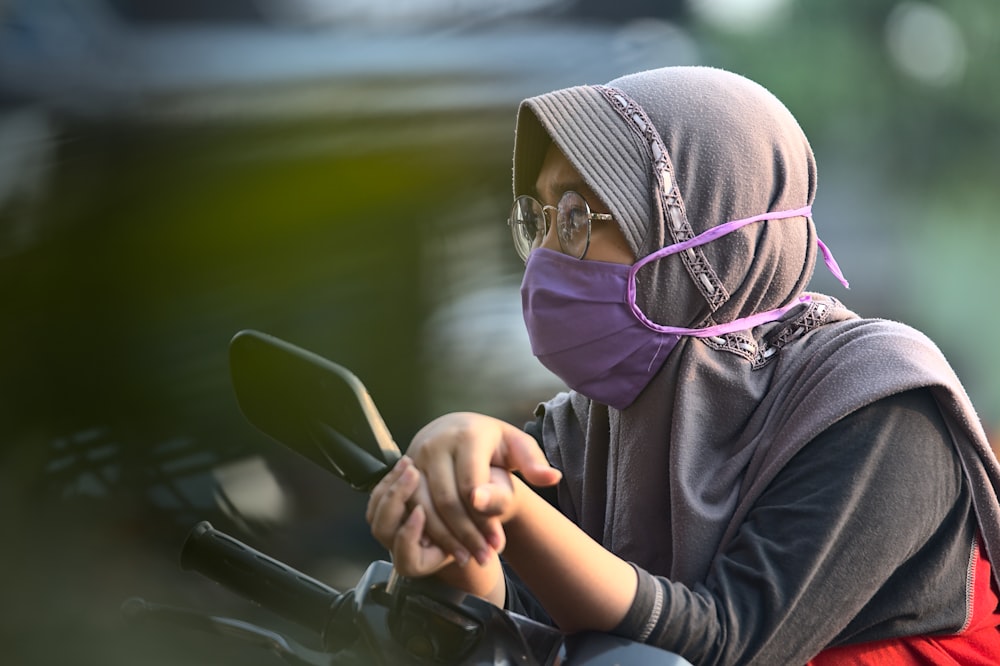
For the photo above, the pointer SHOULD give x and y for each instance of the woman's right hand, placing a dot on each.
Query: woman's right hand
(466, 460)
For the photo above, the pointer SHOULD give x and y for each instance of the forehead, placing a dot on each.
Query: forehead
(558, 175)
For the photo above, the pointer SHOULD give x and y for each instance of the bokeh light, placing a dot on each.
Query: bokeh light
(741, 16)
(925, 43)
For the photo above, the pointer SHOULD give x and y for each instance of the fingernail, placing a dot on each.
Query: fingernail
(483, 556)
(495, 541)
(462, 557)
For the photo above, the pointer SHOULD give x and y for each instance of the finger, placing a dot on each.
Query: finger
(390, 512)
(450, 504)
(494, 501)
(520, 451)
(382, 486)
(494, 498)
(435, 528)
(474, 460)
(490, 526)
(495, 535)
(412, 555)
(473, 470)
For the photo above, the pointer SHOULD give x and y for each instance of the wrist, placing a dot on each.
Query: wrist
(521, 494)
(483, 580)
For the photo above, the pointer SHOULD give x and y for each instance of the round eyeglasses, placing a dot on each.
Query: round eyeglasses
(529, 223)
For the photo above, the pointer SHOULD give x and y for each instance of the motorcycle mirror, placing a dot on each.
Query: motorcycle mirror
(312, 406)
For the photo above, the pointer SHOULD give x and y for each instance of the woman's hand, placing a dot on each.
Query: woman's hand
(398, 527)
(466, 460)
(397, 520)
(458, 469)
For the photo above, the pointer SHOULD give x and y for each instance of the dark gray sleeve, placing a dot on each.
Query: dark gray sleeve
(551, 493)
(838, 549)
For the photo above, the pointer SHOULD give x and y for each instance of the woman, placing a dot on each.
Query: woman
(745, 472)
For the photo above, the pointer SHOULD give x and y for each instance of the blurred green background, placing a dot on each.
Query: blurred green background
(337, 174)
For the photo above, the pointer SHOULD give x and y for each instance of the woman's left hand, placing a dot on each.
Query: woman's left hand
(398, 527)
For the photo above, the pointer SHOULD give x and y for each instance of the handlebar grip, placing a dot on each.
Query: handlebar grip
(259, 578)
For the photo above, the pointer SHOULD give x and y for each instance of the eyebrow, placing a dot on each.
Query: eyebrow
(563, 186)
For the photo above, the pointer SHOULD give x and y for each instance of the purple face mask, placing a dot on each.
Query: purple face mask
(585, 326)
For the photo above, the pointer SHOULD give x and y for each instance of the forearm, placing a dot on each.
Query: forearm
(580, 584)
(483, 580)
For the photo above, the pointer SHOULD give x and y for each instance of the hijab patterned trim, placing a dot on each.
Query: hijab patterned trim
(669, 197)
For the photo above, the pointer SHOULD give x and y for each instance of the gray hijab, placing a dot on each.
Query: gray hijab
(666, 482)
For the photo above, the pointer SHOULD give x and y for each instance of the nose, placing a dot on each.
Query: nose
(551, 238)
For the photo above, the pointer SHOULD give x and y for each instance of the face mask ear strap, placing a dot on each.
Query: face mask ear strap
(718, 232)
(741, 324)
(707, 237)
(831, 263)
(729, 227)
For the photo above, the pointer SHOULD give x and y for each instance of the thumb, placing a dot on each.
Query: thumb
(522, 453)
(493, 498)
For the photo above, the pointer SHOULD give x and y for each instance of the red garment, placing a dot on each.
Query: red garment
(978, 644)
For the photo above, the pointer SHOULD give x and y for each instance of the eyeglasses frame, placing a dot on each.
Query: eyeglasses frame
(591, 216)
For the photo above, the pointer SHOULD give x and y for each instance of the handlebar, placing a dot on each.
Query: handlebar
(398, 620)
(264, 580)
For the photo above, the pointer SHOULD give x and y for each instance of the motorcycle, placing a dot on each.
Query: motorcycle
(323, 412)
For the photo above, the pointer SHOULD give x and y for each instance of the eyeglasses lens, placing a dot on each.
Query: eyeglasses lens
(528, 225)
(573, 224)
